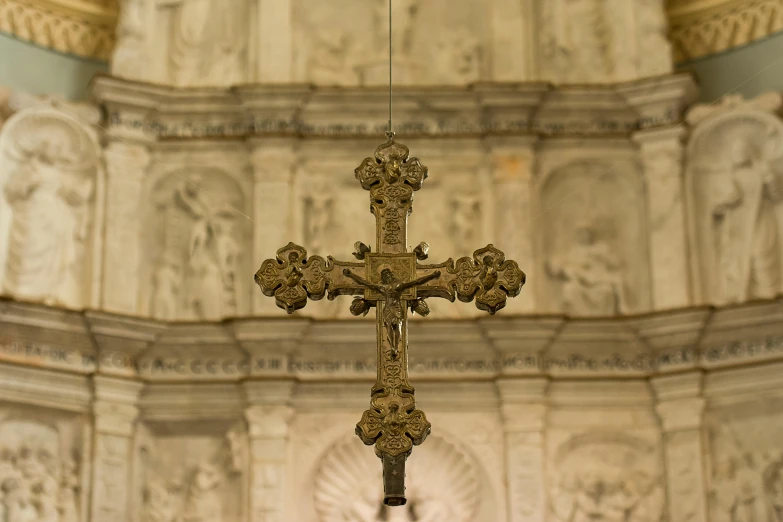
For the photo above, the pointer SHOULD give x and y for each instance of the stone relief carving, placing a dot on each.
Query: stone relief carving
(198, 247)
(747, 484)
(443, 486)
(39, 474)
(602, 476)
(654, 56)
(592, 253)
(577, 40)
(318, 219)
(192, 478)
(49, 175)
(735, 187)
(207, 42)
(335, 53)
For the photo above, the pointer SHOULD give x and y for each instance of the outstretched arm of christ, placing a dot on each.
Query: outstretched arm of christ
(420, 281)
(362, 281)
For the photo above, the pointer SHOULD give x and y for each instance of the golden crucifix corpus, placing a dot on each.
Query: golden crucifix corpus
(392, 280)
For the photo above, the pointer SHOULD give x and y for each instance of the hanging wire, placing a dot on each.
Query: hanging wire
(390, 132)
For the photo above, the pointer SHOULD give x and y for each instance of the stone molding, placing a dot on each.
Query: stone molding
(703, 27)
(486, 349)
(144, 111)
(81, 27)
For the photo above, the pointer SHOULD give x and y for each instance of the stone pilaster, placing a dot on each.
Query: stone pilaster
(115, 410)
(126, 165)
(523, 406)
(662, 161)
(273, 164)
(512, 161)
(268, 414)
(680, 407)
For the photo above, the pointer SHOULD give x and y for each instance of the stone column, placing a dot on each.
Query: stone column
(268, 414)
(662, 160)
(273, 165)
(274, 45)
(680, 407)
(512, 169)
(115, 411)
(126, 165)
(523, 406)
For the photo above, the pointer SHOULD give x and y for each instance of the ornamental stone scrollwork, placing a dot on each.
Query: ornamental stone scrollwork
(196, 253)
(703, 28)
(50, 177)
(602, 476)
(734, 180)
(443, 486)
(84, 28)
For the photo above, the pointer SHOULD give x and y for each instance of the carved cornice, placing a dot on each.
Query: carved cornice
(81, 27)
(704, 27)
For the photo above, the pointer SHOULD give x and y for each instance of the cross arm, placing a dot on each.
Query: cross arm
(292, 278)
(487, 277)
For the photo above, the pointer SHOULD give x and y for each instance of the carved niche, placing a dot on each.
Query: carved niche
(49, 175)
(192, 473)
(345, 42)
(593, 240)
(734, 184)
(442, 485)
(606, 477)
(746, 461)
(40, 468)
(196, 233)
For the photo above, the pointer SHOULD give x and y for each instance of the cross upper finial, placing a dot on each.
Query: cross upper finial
(392, 280)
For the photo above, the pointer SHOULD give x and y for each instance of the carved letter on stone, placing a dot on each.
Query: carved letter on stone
(49, 165)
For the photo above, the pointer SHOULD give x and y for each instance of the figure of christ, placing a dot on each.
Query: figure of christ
(391, 288)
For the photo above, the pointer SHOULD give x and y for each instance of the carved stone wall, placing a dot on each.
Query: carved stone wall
(195, 42)
(686, 431)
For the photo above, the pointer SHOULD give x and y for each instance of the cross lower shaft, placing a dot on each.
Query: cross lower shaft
(394, 480)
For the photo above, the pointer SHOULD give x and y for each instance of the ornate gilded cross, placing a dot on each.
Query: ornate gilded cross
(392, 280)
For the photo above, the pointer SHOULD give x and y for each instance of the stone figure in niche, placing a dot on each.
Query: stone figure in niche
(203, 502)
(737, 490)
(590, 276)
(747, 226)
(159, 502)
(195, 274)
(773, 487)
(578, 40)
(466, 219)
(206, 42)
(318, 217)
(50, 194)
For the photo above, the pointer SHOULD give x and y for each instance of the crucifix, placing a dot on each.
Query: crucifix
(392, 280)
